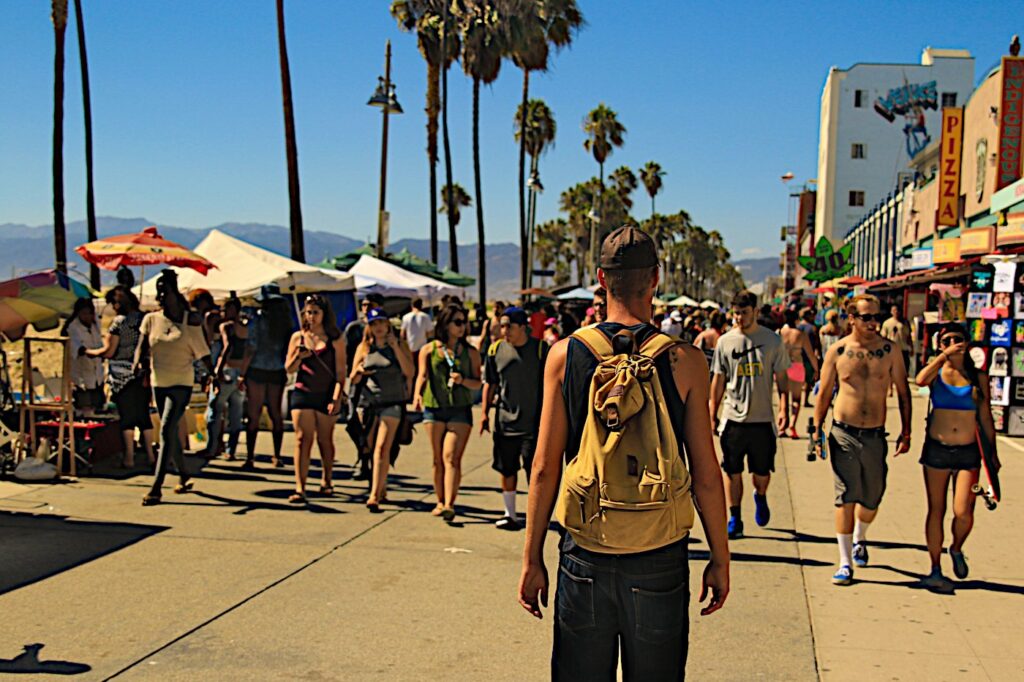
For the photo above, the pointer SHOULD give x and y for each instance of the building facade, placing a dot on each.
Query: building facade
(875, 119)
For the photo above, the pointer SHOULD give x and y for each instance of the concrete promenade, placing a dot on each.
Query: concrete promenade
(232, 583)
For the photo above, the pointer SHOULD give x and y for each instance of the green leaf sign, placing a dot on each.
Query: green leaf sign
(827, 263)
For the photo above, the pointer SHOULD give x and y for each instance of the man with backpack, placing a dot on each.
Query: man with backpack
(625, 412)
(513, 374)
(747, 358)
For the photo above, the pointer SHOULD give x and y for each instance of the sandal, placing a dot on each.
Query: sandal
(297, 498)
(448, 514)
(150, 500)
(438, 510)
(183, 488)
(327, 490)
(373, 506)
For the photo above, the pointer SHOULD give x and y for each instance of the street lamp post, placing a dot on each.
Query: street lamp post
(535, 187)
(384, 97)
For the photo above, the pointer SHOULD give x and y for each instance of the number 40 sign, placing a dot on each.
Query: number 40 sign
(827, 263)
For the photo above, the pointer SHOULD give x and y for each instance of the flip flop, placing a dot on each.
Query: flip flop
(327, 490)
(296, 498)
(183, 488)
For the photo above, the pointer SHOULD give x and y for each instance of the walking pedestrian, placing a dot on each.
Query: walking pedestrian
(86, 371)
(387, 368)
(600, 304)
(608, 600)
(227, 400)
(708, 339)
(897, 330)
(449, 372)
(172, 341)
(673, 323)
(491, 331)
(864, 365)
(355, 329)
(263, 369)
(830, 332)
(513, 375)
(807, 326)
(747, 359)
(798, 345)
(317, 354)
(959, 420)
(417, 327)
(129, 389)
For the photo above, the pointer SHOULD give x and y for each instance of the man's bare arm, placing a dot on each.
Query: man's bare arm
(690, 372)
(828, 383)
(717, 393)
(899, 377)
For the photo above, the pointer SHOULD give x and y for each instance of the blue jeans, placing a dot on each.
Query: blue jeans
(171, 403)
(637, 602)
(226, 403)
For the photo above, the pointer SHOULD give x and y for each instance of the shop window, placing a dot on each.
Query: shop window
(949, 99)
(856, 197)
(860, 98)
(857, 151)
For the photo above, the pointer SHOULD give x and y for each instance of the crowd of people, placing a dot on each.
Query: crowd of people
(536, 369)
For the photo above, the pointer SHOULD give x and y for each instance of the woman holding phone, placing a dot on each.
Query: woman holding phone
(449, 372)
(386, 367)
(317, 353)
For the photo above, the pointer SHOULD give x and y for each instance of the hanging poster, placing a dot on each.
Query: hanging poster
(977, 303)
(1018, 305)
(979, 356)
(1017, 397)
(1018, 284)
(1004, 276)
(977, 331)
(1000, 363)
(999, 388)
(1015, 421)
(1018, 333)
(981, 278)
(999, 418)
(952, 308)
(1002, 301)
(1017, 363)
(1000, 334)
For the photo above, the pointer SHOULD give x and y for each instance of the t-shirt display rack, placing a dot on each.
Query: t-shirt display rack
(993, 308)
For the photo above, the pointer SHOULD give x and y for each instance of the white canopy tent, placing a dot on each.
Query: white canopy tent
(577, 294)
(708, 304)
(425, 287)
(684, 300)
(372, 285)
(243, 268)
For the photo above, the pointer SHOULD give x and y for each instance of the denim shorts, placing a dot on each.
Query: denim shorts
(950, 457)
(448, 415)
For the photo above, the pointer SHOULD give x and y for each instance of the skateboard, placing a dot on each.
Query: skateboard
(992, 493)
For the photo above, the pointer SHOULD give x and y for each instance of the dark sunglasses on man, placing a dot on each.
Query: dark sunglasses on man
(869, 317)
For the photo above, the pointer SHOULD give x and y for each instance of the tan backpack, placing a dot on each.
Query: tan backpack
(627, 489)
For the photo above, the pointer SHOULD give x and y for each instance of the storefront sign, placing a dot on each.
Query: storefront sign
(949, 165)
(946, 250)
(1011, 233)
(1011, 107)
(827, 263)
(978, 241)
(1008, 196)
(920, 259)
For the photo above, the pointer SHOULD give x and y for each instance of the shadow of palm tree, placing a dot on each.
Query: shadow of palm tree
(246, 506)
(798, 536)
(27, 662)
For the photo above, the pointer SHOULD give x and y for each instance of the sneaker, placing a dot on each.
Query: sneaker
(844, 576)
(960, 568)
(860, 554)
(507, 523)
(762, 514)
(735, 528)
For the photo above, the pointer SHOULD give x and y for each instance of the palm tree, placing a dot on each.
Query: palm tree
(651, 175)
(554, 246)
(455, 196)
(425, 18)
(539, 135)
(604, 133)
(291, 148)
(446, 45)
(90, 202)
(533, 26)
(483, 48)
(59, 16)
(624, 182)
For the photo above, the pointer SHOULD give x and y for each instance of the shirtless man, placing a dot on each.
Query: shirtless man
(798, 345)
(865, 364)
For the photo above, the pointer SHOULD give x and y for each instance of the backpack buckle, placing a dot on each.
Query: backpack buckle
(612, 418)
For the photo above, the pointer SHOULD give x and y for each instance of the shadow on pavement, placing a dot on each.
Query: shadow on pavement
(797, 536)
(36, 547)
(951, 587)
(246, 506)
(704, 555)
(28, 662)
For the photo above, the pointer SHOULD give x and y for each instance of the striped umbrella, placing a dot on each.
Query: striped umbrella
(39, 299)
(141, 248)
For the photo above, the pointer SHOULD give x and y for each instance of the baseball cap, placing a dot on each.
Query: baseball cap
(376, 314)
(515, 315)
(628, 248)
(268, 292)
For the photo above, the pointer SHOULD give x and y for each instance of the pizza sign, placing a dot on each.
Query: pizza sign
(827, 263)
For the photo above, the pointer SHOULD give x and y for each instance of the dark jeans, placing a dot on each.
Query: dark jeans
(171, 403)
(636, 601)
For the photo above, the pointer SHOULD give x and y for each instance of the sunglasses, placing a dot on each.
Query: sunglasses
(599, 305)
(869, 317)
(458, 322)
(951, 340)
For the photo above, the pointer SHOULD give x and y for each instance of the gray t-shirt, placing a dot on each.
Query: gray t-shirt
(749, 364)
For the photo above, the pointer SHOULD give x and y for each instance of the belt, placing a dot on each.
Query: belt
(860, 430)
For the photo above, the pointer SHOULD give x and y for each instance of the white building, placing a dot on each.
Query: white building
(874, 119)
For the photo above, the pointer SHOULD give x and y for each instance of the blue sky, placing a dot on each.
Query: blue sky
(188, 124)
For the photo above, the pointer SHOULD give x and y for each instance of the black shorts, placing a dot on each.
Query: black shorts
(277, 377)
(132, 403)
(950, 457)
(510, 451)
(754, 441)
(304, 400)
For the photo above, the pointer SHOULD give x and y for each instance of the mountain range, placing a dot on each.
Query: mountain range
(25, 248)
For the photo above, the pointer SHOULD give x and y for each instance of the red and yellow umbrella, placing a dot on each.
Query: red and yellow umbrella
(141, 248)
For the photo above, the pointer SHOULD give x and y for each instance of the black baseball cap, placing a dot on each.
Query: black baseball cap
(515, 315)
(628, 248)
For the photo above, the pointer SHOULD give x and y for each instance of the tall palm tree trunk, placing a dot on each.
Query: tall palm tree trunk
(60, 16)
(481, 248)
(90, 202)
(595, 231)
(433, 104)
(524, 264)
(453, 247)
(291, 149)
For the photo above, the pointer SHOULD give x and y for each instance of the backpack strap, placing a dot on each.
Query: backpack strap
(493, 349)
(656, 344)
(595, 341)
